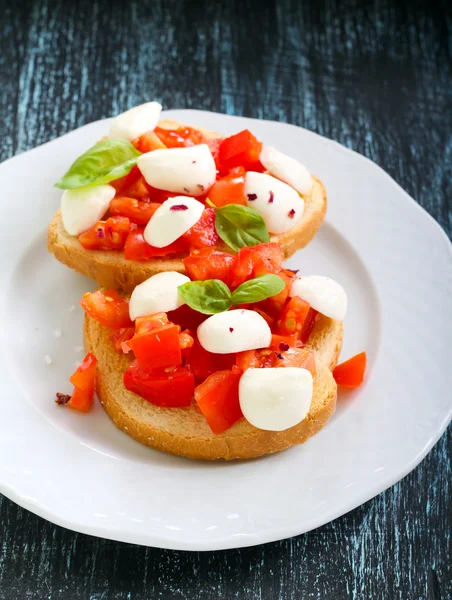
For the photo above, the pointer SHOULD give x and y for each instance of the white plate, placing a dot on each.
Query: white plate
(80, 472)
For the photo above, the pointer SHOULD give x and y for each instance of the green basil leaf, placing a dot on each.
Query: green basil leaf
(208, 297)
(257, 289)
(240, 226)
(106, 161)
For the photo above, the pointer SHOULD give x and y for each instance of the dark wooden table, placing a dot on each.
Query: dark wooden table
(376, 77)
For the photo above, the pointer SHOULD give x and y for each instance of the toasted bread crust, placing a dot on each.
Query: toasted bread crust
(111, 270)
(184, 431)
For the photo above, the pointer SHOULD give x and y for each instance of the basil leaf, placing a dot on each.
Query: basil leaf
(208, 297)
(257, 289)
(106, 161)
(240, 226)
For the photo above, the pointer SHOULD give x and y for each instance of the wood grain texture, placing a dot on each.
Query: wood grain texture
(376, 77)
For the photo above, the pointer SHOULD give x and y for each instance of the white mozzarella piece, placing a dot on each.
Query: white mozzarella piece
(189, 170)
(324, 295)
(159, 293)
(171, 220)
(287, 169)
(234, 331)
(279, 204)
(136, 121)
(275, 399)
(83, 207)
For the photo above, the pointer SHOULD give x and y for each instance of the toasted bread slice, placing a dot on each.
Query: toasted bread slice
(184, 431)
(112, 270)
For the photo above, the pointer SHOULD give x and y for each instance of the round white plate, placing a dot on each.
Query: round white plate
(80, 472)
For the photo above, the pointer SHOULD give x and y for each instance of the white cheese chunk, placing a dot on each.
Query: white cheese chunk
(324, 295)
(279, 204)
(234, 331)
(83, 207)
(171, 220)
(287, 169)
(135, 122)
(159, 293)
(275, 399)
(189, 170)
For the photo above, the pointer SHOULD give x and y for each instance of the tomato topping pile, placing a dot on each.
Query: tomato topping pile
(136, 201)
(83, 380)
(169, 366)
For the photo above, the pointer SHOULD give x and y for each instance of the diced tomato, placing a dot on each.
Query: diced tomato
(158, 348)
(172, 388)
(180, 137)
(123, 182)
(203, 233)
(255, 359)
(281, 343)
(137, 211)
(209, 263)
(270, 320)
(186, 340)
(186, 317)
(132, 185)
(148, 142)
(106, 235)
(83, 380)
(147, 323)
(202, 363)
(136, 248)
(296, 357)
(214, 147)
(218, 399)
(308, 325)
(275, 304)
(229, 189)
(85, 374)
(253, 261)
(241, 150)
(350, 373)
(120, 337)
(293, 316)
(81, 400)
(109, 308)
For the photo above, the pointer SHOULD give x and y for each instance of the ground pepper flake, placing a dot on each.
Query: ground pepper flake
(62, 399)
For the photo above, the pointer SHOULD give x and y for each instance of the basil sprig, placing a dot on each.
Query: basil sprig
(213, 296)
(239, 226)
(208, 297)
(106, 161)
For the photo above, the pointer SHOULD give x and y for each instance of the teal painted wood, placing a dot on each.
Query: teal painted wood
(376, 77)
